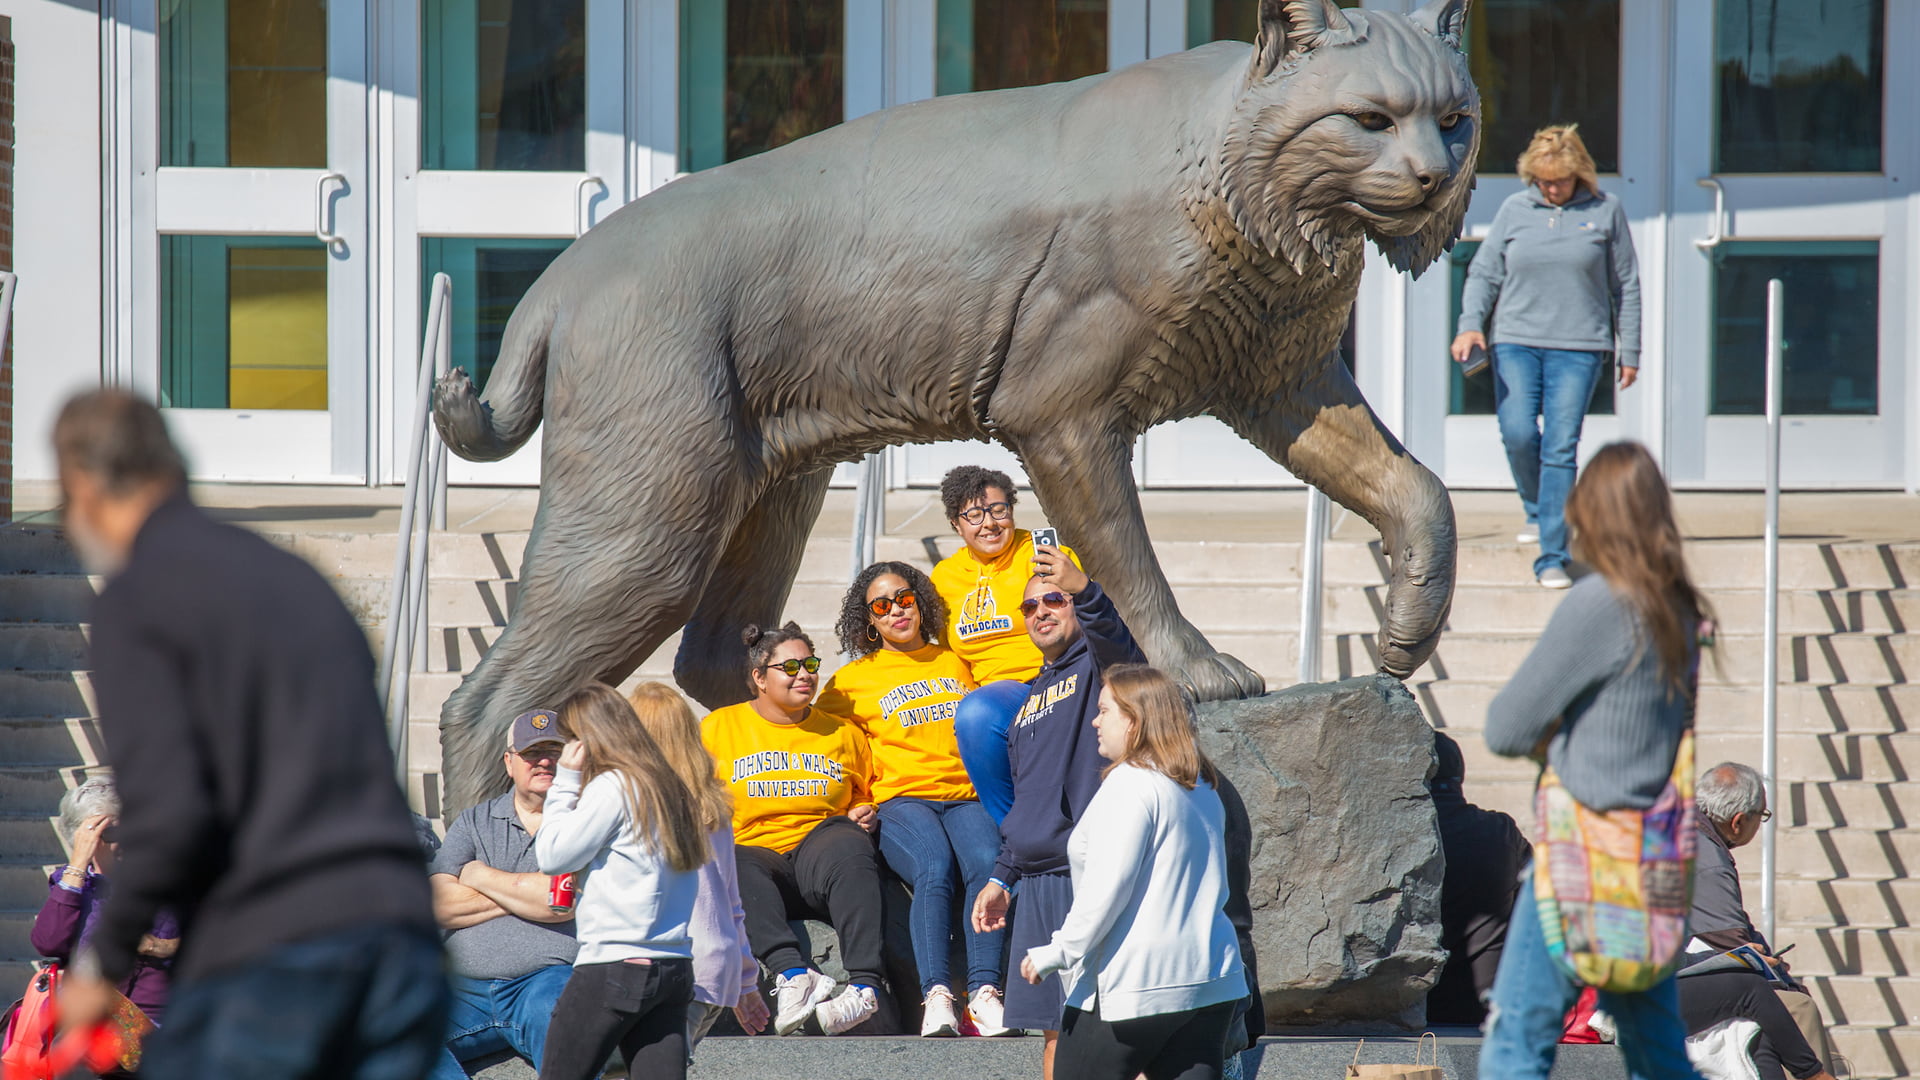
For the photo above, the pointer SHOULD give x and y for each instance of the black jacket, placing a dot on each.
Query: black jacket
(257, 789)
(1052, 747)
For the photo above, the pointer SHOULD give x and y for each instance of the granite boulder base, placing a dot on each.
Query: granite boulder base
(1346, 862)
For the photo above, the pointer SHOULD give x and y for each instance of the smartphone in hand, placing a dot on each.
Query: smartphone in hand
(1046, 538)
(1476, 361)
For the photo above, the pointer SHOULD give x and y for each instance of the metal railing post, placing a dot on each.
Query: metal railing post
(1770, 632)
(1312, 573)
(8, 280)
(869, 512)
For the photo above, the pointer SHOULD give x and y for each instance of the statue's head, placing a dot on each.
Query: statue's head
(1353, 122)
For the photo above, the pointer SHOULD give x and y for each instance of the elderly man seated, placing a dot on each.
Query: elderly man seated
(1732, 800)
(509, 952)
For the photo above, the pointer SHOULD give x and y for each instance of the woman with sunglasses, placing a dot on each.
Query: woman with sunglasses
(982, 585)
(901, 688)
(802, 812)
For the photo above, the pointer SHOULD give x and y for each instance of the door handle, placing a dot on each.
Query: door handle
(580, 213)
(1719, 234)
(322, 219)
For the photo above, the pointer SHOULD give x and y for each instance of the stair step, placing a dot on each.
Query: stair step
(1827, 904)
(22, 885)
(46, 693)
(1802, 708)
(36, 549)
(57, 598)
(43, 646)
(29, 836)
(1877, 1051)
(1890, 952)
(1815, 758)
(36, 789)
(51, 740)
(16, 924)
(1867, 1000)
(1847, 804)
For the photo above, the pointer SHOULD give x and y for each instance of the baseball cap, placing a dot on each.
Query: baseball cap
(531, 728)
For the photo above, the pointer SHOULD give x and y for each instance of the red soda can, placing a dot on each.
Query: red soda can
(560, 894)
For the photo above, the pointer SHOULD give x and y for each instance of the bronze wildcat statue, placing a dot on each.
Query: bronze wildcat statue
(1057, 267)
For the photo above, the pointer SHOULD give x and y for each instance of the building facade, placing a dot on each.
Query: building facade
(235, 206)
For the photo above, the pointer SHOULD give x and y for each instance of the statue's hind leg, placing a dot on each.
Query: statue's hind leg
(750, 584)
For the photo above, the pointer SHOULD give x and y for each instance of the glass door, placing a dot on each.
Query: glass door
(515, 145)
(260, 238)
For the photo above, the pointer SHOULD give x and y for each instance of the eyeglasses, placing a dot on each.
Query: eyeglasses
(1766, 816)
(904, 600)
(1054, 600)
(792, 667)
(974, 515)
(541, 751)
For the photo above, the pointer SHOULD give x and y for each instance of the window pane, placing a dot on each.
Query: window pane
(504, 85)
(243, 323)
(1541, 62)
(1832, 313)
(489, 279)
(1474, 397)
(1227, 20)
(756, 75)
(1800, 86)
(243, 84)
(995, 44)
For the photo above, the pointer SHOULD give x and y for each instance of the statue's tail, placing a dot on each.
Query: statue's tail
(516, 391)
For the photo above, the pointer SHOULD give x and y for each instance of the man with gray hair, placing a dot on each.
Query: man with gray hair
(1732, 800)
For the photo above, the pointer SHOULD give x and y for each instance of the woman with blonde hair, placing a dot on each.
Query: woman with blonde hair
(1152, 963)
(1558, 277)
(725, 974)
(1606, 700)
(620, 816)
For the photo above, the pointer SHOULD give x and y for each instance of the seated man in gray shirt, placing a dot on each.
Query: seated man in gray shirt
(509, 952)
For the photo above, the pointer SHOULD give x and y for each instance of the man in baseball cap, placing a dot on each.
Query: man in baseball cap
(510, 953)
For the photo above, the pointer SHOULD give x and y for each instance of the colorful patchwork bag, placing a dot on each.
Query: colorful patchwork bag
(1614, 889)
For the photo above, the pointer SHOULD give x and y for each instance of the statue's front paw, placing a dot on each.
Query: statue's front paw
(1219, 677)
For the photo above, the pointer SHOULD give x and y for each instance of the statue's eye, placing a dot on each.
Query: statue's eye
(1451, 121)
(1373, 121)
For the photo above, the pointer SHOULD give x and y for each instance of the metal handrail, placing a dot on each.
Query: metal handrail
(423, 510)
(869, 513)
(1770, 618)
(1312, 583)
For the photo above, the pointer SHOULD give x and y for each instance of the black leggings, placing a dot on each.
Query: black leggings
(1705, 1000)
(833, 872)
(641, 1008)
(1187, 1045)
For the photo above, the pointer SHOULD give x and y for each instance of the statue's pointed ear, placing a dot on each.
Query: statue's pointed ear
(1444, 19)
(1289, 27)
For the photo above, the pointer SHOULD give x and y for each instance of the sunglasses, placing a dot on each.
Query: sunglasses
(110, 834)
(974, 515)
(904, 600)
(1054, 600)
(792, 667)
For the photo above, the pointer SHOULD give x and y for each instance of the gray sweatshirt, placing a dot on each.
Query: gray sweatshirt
(1564, 277)
(1593, 683)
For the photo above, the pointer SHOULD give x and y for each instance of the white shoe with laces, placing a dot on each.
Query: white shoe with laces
(1553, 577)
(855, 1006)
(989, 1013)
(796, 997)
(938, 1018)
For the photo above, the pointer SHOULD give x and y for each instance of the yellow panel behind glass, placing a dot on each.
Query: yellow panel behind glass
(277, 328)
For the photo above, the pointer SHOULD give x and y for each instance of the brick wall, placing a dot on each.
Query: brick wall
(6, 263)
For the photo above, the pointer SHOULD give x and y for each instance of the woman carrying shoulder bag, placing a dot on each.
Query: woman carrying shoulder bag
(1151, 961)
(1605, 702)
(620, 816)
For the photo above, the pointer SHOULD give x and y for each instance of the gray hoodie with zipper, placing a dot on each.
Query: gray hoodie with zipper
(1563, 277)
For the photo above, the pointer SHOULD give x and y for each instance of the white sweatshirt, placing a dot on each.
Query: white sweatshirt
(724, 970)
(631, 903)
(1147, 933)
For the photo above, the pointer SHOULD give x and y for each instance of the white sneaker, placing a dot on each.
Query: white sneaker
(938, 1020)
(1553, 577)
(989, 1013)
(1528, 535)
(855, 1006)
(795, 998)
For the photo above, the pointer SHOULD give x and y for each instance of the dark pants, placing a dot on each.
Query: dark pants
(1705, 1000)
(368, 1003)
(1171, 1046)
(832, 872)
(639, 1007)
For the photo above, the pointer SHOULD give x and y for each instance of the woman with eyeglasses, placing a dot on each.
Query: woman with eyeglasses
(802, 815)
(901, 688)
(982, 585)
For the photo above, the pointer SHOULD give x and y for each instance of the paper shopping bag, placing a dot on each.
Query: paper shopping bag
(1415, 1071)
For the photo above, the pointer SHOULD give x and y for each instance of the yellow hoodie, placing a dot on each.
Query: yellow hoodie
(904, 701)
(983, 609)
(786, 778)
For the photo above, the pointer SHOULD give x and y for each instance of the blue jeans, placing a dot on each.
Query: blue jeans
(932, 845)
(1541, 398)
(980, 725)
(1532, 994)
(491, 1015)
(368, 1003)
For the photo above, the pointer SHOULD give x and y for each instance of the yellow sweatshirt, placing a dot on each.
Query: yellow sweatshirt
(786, 778)
(904, 702)
(983, 609)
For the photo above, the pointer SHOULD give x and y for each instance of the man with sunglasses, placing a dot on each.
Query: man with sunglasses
(1054, 754)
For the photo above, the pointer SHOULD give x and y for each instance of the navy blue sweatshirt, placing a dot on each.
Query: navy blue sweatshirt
(1052, 747)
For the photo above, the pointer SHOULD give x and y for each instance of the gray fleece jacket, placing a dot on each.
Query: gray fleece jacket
(1557, 277)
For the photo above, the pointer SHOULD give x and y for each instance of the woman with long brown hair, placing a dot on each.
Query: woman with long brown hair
(1155, 965)
(1605, 699)
(725, 974)
(623, 819)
